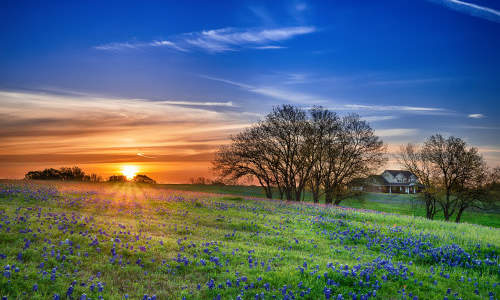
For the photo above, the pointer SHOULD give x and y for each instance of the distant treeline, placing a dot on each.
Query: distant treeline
(66, 174)
(77, 174)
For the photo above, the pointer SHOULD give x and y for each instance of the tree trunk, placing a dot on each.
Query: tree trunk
(328, 196)
(288, 193)
(315, 194)
(459, 214)
(268, 191)
(430, 207)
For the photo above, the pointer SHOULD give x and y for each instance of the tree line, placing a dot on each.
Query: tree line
(77, 174)
(292, 149)
(66, 174)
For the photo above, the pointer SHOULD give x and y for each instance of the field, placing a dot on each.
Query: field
(395, 203)
(119, 241)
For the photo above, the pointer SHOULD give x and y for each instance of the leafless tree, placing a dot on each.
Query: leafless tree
(289, 143)
(355, 152)
(326, 126)
(458, 173)
(411, 159)
(245, 156)
(291, 149)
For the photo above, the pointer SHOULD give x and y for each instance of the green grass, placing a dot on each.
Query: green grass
(403, 204)
(230, 229)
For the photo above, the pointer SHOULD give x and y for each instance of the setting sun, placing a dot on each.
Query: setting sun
(129, 171)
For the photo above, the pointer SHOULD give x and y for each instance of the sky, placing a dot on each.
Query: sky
(161, 84)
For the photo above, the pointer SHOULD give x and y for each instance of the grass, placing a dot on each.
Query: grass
(404, 204)
(125, 240)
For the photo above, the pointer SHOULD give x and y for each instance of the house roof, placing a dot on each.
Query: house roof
(405, 173)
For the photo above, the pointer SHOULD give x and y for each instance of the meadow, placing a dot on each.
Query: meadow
(404, 204)
(127, 241)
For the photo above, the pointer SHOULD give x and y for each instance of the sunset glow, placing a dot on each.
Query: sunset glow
(129, 171)
(165, 96)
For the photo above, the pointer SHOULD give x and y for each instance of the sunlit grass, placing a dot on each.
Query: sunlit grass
(166, 243)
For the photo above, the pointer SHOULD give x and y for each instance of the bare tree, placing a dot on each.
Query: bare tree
(459, 169)
(473, 189)
(412, 159)
(355, 152)
(288, 143)
(290, 150)
(326, 126)
(245, 156)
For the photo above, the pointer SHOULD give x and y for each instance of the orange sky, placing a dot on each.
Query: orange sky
(170, 142)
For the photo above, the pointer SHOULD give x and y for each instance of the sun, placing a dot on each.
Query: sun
(129, 171)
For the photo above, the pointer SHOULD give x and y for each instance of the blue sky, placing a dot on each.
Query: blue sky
(411, 68)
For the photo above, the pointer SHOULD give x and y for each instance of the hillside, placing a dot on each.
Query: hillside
(136, 242)
(392, 203)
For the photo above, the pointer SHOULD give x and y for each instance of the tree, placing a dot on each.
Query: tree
(141, 178)
(355, 152)
(289, 146)
(411, 159)
(454, 175)
(71, 174)
(117, 178)
(246, 155)
(456, 164)
(325, 128)
(291, 149)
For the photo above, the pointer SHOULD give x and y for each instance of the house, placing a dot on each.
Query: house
(390, 181)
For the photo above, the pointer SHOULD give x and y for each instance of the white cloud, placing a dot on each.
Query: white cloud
(378, 118)
(269, 47)
(221, 40)
(392, 108)
(396, 132)
(476, 116)
(226, 39)
(310, 99)
(129, 45)
(274, 92)
(194, 103)
(471, 9)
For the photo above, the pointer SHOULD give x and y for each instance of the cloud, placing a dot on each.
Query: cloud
(273, 92)
(396, 132)
(270, 47)
(471, 9)
(136, 45)
(144, 155)
(475, 116)
(194, 103)
(378, 118)
(310, 99)
(33, 123)
(220, 40)
(230, 39)
(393, 108)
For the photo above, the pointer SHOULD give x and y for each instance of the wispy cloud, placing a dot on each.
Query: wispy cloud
(378, 118)
(144, 155)
(286, 95)
(476, 116)
(472, 9)
(221, 40)
(396, 132)
(270, 47)
(227, 39)
(136, 45)
(393, 108)
(195, 103)
(274, 92)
